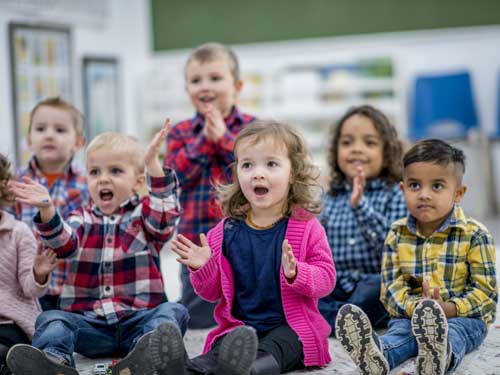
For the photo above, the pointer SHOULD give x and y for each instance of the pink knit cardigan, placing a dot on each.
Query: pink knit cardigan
(18, 288)
(315, 279)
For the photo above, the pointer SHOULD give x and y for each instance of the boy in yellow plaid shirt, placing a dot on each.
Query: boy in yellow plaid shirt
(438, 274)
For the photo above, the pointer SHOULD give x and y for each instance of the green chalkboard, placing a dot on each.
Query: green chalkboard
(188, 23)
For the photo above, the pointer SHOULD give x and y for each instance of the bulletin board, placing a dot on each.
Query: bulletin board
(40, 59)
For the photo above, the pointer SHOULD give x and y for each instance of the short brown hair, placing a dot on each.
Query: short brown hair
(6, 197)
(305, 191)
(57, 102)
(210, 51)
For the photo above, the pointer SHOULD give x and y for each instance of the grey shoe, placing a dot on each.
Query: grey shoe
(167, 350)
(238, 351)
(430, 327)
(354, 331)
(25, 359)
(138, 360)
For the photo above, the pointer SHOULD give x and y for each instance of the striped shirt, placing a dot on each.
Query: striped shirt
(356, 235)
(200, 163)
(459, 258)
(114, 261)
(68, 193)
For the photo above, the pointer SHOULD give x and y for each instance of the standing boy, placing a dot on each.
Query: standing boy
(438, 274)
(201, 152)
(113, 296)
(55, 134)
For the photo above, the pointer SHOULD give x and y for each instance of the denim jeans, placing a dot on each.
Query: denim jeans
(366, 295)
(61, 333)
(464, 335)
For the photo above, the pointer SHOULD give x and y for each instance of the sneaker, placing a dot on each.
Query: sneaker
(354, 331)
(138, 360)
(167, 350)
(430, 327)
(237, 352)
(28, 360)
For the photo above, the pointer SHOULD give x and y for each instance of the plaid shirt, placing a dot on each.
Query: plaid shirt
(200, 163)
(356, 235)
(114, 261)
(68, 193)
(459, 258)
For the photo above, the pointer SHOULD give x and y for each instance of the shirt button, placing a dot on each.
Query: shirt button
(107, 288)
(109, 240)
(373, 234)
(351, 241)
(107, 264)
(112, 217)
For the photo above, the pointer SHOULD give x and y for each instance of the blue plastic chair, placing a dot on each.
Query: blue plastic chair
(442, 107)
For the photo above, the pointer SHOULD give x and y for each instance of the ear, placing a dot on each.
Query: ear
(402, 186)
(140, 183)
(459, 193)
(80, 142)
(238, 86)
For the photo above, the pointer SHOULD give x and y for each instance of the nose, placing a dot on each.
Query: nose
(424, 194)
(258, 173)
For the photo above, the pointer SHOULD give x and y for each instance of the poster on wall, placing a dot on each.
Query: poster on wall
(101, 95)
(40, 58)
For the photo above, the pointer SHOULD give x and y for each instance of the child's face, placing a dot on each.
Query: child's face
(430, 191)
(211, 83)
(360, 145)
(264, 174)
(112, 179)
(53, 138)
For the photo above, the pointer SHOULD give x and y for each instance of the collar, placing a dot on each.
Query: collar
(126, 206)
(35, 170)
(7, 221)
(235, 117)
(375, 184)
(456, 219)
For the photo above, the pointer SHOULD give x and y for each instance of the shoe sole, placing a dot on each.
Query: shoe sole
(28, 360)
(238, 351)
(138, 360)
(167, 350)
(354, 331)
(430, 328)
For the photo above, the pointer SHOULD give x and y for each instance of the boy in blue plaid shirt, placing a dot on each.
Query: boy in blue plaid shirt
(364, 199)
(438, 274)
(55, 135)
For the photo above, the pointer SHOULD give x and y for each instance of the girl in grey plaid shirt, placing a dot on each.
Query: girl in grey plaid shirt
(364, 198)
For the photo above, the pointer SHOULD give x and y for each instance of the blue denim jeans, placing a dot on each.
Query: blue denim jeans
(61, 333)
(366, 295)
(464, 335)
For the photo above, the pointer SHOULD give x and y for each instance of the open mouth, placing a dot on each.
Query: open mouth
(206, 99)
(259, 190)
(106, 195)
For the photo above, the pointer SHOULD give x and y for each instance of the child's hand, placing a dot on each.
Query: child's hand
(43, 264)
(449, 308)
(288, 261)
(358, 186)
(34, 194)
(190, 254)
(215, 127)
(151, 157)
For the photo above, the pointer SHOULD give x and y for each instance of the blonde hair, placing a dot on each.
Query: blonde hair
(211, 51)
(122, 143)
(6, 197)
(57, 102)
(305, 190)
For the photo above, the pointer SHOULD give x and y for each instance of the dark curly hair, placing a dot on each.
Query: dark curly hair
(305, 191)
(393, 149)
(6, 197)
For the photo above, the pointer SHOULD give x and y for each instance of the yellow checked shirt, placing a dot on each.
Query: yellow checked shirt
(459, 258)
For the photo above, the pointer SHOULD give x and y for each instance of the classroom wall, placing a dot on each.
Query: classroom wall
(125, 34)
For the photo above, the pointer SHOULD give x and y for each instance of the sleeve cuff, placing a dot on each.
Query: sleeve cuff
(49, 227)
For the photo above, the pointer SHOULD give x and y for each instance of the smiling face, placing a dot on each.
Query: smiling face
(360, 146)
(112, 179)
(53, 138)
(430, 191)
(211, 83)
(264, 175)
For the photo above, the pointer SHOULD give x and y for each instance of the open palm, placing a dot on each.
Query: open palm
(189, 253)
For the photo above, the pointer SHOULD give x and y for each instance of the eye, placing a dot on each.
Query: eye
(246, 165)
(437, 186)
(194, 80)
(216, 78)
(272, 164)
(372, 143)
(93, 172)
(345, 142)
(414, 185)
(116, 171)
(61, 130)
(40, 128)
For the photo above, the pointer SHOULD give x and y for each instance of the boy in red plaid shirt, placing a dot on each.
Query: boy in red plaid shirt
(113, 298)
(201, 151)
(55, 135)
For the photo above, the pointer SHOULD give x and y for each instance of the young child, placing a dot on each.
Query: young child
(55, 134)
(363, 200)
(267, 262)
(113, 296)
(24, 274)
(201, 152)
(438, 274)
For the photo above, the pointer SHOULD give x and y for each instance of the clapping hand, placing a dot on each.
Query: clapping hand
(358, 186)
(288, 261)
(44, 263)
(32, 193)
(189, 253)
(151, 157)
(215, 127)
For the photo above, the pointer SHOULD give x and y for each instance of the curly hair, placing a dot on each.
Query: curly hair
(6, 197)
(393, 149)
(305, 191)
